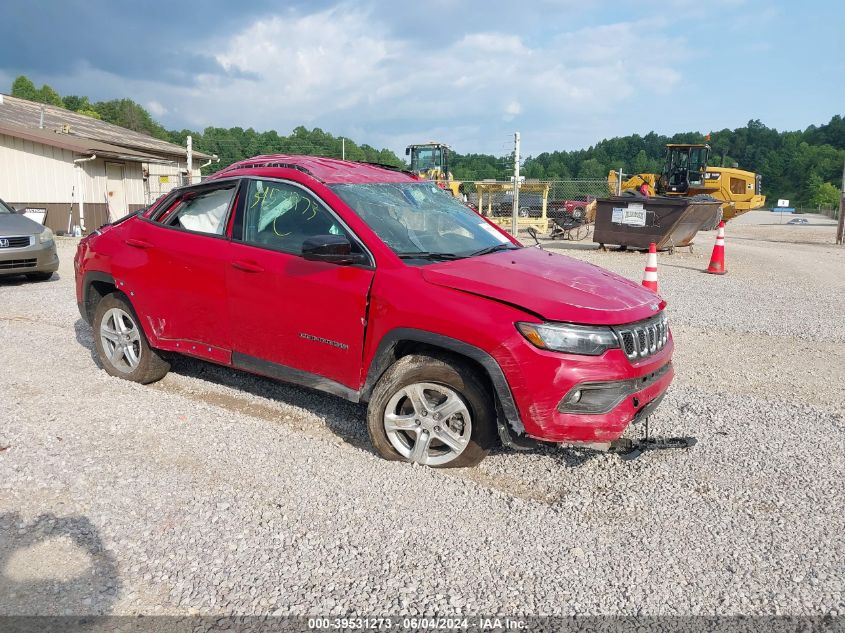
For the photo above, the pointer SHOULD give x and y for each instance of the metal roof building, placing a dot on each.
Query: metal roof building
(81, 170)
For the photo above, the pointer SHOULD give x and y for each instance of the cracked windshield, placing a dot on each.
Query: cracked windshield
(420, 220)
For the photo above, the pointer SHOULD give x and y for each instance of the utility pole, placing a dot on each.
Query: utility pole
(190, 142)
(343, 148)
(515, 210)
(840, 228)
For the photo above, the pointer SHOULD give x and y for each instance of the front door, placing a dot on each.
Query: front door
(292, 318)
(115, 191)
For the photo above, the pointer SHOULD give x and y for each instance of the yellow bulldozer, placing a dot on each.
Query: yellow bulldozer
(686, 173)
(431, 161)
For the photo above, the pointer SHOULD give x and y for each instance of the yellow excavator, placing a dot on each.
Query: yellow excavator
(686, 173)
(431, 161)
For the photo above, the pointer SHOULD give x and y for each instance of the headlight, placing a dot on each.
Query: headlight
(46, 235)
(572, 339)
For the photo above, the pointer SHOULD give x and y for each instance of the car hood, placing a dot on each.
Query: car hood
(552, 286)
(15, 224)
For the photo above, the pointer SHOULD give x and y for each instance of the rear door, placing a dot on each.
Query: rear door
(294, 319)
(174, 266)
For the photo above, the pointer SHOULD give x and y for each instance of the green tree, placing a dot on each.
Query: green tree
(591, 168)
(822, 193)
(24, 88)
(92, 113)
(49, 96)
(76, 103)
(126, 113)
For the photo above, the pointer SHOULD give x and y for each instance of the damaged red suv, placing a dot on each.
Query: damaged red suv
(372, 285)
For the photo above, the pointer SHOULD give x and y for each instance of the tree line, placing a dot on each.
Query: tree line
(802, 166)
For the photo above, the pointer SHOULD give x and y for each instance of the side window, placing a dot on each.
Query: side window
(202, 211)
(281, 216)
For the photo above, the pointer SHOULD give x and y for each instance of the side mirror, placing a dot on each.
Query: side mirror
(333, 249)
(407, 151)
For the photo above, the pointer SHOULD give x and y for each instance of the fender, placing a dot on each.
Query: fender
(384, 357)
(85, 308)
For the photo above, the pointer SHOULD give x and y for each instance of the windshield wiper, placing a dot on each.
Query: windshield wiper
(493, 249)
(427, 255)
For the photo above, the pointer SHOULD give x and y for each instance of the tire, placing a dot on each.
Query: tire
(39, 276)
(713, 225)
(470, 428)
(116, 324)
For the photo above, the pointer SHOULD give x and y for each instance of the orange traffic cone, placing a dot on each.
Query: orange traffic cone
(650, 274)
(717, 259)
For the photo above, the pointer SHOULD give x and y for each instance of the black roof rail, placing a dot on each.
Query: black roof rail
(267, 163)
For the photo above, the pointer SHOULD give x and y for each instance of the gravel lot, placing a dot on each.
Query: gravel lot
(218, 492)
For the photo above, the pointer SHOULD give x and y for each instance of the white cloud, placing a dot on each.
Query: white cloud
(345, 70)
(155, 108)
(307, 66)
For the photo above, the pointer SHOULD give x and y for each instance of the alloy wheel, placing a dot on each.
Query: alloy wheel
(428, 423)
(121, 340)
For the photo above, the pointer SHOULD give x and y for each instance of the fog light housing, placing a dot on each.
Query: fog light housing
(597, 397)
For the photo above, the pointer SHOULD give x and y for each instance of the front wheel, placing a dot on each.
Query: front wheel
(431, 411)
(121, 344)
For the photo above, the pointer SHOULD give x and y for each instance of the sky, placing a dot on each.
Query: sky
(564, 73)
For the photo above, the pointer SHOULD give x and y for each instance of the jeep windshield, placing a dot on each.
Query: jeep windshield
(420, 222)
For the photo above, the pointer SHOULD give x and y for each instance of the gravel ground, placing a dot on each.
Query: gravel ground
(218, 492)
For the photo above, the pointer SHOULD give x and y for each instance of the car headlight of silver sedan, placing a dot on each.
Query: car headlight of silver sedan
(46, 236)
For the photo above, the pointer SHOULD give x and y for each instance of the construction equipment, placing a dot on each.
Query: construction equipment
(686, 173)
(431, 161)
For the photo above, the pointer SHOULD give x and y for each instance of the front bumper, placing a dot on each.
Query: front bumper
(548, 376)
(37, 257)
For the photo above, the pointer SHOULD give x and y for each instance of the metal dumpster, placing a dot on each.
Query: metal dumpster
(637, 222)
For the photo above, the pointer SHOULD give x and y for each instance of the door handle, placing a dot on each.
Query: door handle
(248, 267)
(138, 243)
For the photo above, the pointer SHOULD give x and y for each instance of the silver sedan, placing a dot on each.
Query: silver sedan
(26, 247)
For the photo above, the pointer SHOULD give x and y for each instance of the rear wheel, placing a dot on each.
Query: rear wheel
(121, 345)
(432, 411)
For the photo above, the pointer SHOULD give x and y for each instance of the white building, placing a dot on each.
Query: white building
(83, 171)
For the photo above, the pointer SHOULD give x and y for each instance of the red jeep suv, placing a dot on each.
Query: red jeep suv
(373, 285)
